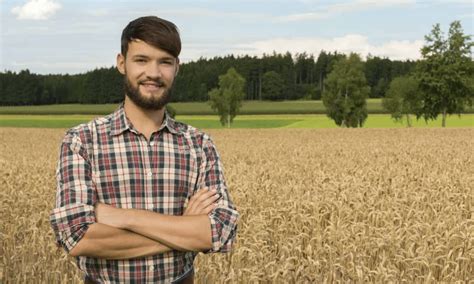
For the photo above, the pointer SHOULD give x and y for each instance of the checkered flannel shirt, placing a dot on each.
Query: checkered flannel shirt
(108, 161)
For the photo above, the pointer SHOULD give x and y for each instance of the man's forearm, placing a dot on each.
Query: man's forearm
(103, 241)
(186, 233)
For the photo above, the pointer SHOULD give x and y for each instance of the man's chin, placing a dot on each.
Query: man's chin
(148, 102)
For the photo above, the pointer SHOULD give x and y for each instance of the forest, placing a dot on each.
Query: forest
(300, 76)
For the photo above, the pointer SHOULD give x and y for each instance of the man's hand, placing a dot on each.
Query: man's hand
(203, 202)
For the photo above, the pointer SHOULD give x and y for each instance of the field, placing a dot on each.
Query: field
(374, 106)
(241, 121)
(317, 205)
(254, 114)
(191, 108)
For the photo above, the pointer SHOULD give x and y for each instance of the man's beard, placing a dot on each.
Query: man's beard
(148, 103)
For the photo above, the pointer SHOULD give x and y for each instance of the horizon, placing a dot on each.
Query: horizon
(72, 37)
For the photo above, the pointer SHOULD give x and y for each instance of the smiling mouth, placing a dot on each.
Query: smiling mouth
(152, 86)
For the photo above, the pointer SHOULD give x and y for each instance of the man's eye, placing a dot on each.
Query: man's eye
(140, 60)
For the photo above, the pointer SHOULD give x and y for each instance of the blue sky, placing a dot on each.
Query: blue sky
(72, 36)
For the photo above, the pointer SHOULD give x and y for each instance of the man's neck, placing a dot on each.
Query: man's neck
(145, 121)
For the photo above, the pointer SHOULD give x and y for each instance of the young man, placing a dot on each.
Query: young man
(139, 194)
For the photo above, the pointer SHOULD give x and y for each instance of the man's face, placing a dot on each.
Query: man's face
(149, 74)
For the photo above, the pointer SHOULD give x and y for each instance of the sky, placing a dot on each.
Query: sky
(75, 36)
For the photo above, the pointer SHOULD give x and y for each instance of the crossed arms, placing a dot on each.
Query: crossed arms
(85, 227)
(131, 233)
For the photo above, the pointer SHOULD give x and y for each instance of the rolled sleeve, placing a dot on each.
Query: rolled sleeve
(75, 196)
(224, 218)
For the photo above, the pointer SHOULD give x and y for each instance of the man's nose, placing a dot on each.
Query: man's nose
(153, 70)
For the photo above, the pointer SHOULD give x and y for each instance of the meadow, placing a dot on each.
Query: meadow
(190, 108)
(254, 114)
(241, 121)
(317, 206)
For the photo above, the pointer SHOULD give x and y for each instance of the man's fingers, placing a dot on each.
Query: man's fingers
(209, 208)
(202, 202)
(203, 194)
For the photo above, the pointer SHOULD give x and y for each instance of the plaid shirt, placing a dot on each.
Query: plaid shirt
(108, 161)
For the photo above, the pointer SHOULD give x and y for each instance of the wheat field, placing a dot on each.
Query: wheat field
(317, 205)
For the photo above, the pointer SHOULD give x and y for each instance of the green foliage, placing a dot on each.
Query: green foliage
(272, 86)
(346, 92)
(227, 99)
(403, 98)
(445, 73)
(379, 72)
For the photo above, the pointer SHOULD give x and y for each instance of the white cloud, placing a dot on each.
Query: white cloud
(395, 50)
(36, 10)
(345, 7)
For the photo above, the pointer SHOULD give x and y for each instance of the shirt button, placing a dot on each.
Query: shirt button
(149, 173)
(152, 143)
(151, 267)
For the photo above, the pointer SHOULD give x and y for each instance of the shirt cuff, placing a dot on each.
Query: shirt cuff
(223, 230)
(71, 222)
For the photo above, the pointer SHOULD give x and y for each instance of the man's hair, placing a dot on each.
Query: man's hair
(155, 31)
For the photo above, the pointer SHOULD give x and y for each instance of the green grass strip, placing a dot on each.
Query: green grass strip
(242, 121)
(191, 108)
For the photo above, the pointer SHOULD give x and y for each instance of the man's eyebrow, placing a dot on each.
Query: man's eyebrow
(140, 56)
(167, 58)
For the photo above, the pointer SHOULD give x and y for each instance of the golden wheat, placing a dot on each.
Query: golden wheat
(350, 205)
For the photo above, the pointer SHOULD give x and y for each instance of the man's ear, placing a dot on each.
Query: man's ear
(121, 63)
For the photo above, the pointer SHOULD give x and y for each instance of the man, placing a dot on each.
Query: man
(139, 194)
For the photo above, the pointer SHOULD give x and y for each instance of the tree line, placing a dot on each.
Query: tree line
(270, 77)
(441, 83)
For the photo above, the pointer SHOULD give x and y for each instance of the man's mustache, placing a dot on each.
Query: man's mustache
(157, 82)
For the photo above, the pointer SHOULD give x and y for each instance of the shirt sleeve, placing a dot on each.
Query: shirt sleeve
(223, 218)
(75, 196)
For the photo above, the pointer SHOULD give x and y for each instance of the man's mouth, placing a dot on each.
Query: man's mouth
(152, 86)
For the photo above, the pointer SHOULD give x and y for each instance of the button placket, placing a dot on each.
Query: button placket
(149, 165)
(147, 172)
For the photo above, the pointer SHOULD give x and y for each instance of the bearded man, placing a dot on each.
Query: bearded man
(138, 193)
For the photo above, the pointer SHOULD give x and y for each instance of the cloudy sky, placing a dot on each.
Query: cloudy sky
(74, 36)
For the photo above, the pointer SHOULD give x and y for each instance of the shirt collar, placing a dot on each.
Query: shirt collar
(120, 123)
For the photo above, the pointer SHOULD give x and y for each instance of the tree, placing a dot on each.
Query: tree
(272, 86)
(445, 72)
(227, 99)
(346, 91)
(402, 98)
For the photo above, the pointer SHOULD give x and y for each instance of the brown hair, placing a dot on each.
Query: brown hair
(155, 31)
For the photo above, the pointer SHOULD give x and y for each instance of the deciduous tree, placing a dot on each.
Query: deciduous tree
(403, 98)
(227, 98)
(346, 92)
(445, 73)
